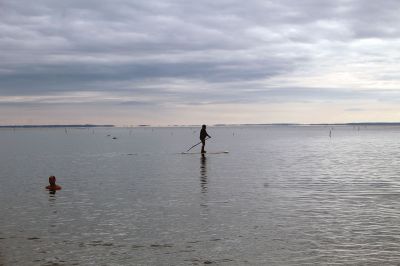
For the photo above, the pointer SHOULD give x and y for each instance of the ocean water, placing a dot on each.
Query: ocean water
(283, 195)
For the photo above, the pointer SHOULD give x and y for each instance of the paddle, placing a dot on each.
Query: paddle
(195, 145)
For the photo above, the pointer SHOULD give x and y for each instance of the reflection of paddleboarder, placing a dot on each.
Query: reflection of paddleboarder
(203, 173)
(203, 135)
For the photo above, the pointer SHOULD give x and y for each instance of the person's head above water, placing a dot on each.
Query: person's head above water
(52, 180)
(53, 186)
(203, 126)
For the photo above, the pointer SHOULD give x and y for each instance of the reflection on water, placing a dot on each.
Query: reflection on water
(281, 196)
(203, 173)
(203, 184)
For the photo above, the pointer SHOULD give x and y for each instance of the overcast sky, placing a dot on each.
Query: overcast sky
(161, 62)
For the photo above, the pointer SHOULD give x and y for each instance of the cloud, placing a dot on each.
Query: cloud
(180, 53)
(355, 110)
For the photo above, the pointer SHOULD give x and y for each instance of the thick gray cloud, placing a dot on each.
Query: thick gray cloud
(145, 53)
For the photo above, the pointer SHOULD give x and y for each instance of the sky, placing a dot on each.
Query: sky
(168, 62)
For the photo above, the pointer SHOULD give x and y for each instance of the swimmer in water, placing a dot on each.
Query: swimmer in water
(53, 186)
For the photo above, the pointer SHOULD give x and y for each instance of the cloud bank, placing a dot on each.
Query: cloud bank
(174, 61)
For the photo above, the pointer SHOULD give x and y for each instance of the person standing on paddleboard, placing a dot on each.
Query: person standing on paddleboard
(203, 136)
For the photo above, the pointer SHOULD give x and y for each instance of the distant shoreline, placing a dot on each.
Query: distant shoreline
(53, 126)
(319, 124)
(214, 125)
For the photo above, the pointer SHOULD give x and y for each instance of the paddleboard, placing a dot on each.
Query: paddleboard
(215, 152)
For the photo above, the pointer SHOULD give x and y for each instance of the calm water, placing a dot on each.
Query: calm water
(281, 196)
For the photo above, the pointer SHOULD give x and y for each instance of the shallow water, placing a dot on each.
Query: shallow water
(281, 196)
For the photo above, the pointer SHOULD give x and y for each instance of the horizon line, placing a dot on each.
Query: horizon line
(197, 125)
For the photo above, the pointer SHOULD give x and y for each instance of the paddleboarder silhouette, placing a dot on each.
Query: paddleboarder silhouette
(203, 136)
